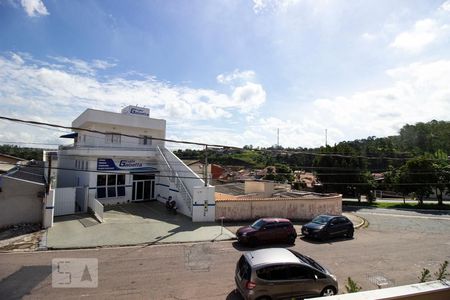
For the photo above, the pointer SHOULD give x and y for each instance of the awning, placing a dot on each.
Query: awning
(69, 135)
(144, 170)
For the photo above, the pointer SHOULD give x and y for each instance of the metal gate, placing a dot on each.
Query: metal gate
(65, 201)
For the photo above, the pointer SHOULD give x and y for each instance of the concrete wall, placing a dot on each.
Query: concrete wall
(261, 187)
(19, 202)
(291, 208)
(431, 290)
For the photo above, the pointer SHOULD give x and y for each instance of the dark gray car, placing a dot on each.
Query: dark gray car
(278, 273)
(325, 227)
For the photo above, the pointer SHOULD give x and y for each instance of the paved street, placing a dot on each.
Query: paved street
(379, 253)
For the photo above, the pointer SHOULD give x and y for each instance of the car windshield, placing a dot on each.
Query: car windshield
(321, 220)
(258, 224)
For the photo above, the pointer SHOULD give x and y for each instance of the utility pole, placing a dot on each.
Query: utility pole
(326, 137)
(206, 165)
(49, 158)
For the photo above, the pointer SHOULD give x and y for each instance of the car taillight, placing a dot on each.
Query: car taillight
(250, 285)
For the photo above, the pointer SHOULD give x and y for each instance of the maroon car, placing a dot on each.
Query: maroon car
(267, 230)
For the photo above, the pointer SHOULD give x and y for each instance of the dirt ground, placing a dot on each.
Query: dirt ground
(22, 237)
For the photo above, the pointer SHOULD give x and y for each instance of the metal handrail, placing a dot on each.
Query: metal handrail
(178, 182)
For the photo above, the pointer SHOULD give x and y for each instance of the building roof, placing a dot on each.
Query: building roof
(236, 191)
(8, 162)
(32, 171)
(10, 156)
(93, 116)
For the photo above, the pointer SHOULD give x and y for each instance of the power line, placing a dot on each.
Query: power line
(337, 155)
(122, 134)
(29, 143)
(18, 168)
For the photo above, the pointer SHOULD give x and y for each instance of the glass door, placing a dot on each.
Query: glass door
(143, 187)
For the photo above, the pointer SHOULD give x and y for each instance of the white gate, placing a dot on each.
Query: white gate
(65, 201)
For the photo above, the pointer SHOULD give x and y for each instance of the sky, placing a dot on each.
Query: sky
(228, 72)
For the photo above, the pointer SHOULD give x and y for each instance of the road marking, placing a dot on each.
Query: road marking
(404, 216)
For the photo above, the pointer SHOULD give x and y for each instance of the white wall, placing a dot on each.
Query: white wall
(48, 209)
(20, 201)
(204, 206)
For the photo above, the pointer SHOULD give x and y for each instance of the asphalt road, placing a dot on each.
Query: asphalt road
(392, 250)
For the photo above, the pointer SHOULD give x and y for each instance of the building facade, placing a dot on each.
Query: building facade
(119, 158)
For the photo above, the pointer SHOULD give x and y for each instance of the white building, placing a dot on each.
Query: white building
(119, 158)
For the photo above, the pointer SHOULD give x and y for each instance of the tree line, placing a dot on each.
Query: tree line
(413, 162)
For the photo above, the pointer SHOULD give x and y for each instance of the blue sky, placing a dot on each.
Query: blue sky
(228, 72)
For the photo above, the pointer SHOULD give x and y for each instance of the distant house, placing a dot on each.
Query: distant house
(255, 199)
(307, 177)
(7, 162)
(214, 170)
(22, 191)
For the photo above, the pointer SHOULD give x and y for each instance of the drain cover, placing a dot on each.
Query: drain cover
(380, 280)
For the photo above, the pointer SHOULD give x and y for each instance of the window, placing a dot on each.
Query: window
(273, 273)
(244, 268)
(110, 186)
(271, 226)
(112, 138)
(145, 140)
(300, 272)
(101, 186)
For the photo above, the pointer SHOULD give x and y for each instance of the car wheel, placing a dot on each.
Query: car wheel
(350, 233)
(291, 239)
(328, 291)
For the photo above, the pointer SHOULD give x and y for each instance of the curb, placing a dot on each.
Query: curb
(361, 223)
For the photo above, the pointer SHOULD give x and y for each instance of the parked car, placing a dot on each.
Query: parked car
(324, 227)
(267, 230)
(279, 273)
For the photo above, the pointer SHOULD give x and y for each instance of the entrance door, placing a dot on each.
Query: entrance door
(143, 187)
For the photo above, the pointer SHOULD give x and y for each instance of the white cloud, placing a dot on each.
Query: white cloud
(264, 5)
(369, 36)
(17, 59)
(445, 6)
(59, 91)
(236, 76)
(249, 97)
(418, 92)
(34, 8)
(424, 33)
(81, 66)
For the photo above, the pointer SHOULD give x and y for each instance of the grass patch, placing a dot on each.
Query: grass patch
(378, 204)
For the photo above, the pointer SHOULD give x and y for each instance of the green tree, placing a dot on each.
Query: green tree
(340, 170)
(441, 176)
(417, 175)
